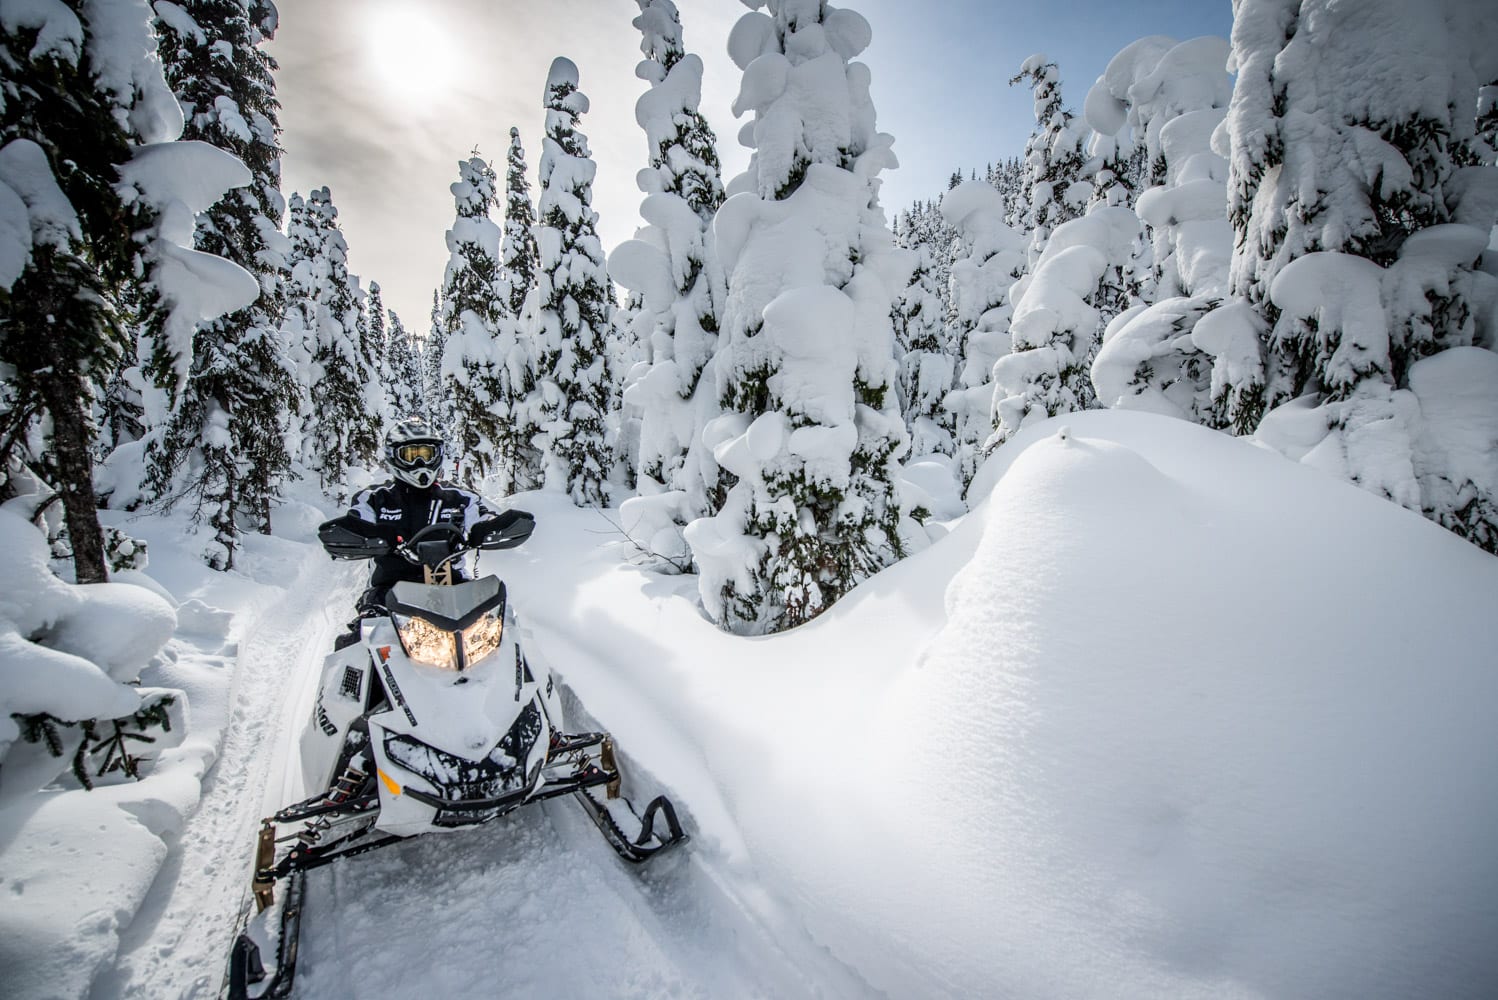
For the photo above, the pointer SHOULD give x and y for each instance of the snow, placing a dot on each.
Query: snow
(563, 73)
(1201, 815)
(15, 236)
(1458, 394)
(642, 267)
(59, 32)
(1344, 293)
(122, 51)
(44, 626)
(88, 875)
(952, 783)
(116, 625)
(179, 180)
(25, 170)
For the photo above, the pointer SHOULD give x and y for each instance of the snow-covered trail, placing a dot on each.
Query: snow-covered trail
(178, 943)
(534, 904)
(537, 905)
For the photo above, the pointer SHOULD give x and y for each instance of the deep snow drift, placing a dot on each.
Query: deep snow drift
(1190, 720)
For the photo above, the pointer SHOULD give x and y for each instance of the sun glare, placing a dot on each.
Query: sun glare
(410, 52)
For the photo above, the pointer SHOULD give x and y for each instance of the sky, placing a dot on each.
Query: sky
(381, 99)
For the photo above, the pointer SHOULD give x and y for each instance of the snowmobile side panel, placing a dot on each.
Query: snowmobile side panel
(340, 701)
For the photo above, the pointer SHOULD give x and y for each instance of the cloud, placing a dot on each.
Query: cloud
(389, 156)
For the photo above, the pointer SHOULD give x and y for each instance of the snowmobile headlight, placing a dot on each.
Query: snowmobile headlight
(483, 636)
(426, 643)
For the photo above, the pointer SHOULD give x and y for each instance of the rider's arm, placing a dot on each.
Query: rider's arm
(362, 507)
(360, 520)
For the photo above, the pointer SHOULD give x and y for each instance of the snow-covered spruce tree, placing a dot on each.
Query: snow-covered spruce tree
(473, 306)
(924, 226)
(1009, 180)
(571, 319)
(224, 445)
(436, 394)
(518, 373)
(683, 148)
(376, 330)
(403, 391)
(994, 257)
(1055, 161)
(97, 205)
(517, 251)
(1170, 97)
(341, 420)
(805, 367)
(673, 271)
(1377, 200)
(1054, 332)
(928, 363)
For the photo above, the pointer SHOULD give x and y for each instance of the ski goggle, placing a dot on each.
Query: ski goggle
(418, 453)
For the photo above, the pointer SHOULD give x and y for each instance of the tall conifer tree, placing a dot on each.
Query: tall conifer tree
(1054, 159)
(224, 446)
(472, 309)
(341, 419)
(80, 102)
(517, 365)
(805, 365)
(572, 310)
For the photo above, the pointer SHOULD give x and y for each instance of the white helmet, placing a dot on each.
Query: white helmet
(414, 452)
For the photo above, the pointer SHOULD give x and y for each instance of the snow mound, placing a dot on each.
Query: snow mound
(1182, 728)
(1211, 738)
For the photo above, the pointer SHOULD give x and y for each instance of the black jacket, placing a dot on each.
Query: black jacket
(397, 510)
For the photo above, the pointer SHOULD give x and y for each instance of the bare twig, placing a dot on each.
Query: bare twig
(647, 553)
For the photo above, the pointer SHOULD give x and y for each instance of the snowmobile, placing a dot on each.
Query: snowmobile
(432, 722)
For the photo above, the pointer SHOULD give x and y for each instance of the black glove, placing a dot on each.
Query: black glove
(519, 522)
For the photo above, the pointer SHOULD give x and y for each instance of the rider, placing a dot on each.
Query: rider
(397, 510)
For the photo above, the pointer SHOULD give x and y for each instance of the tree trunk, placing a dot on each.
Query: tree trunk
(64, 392)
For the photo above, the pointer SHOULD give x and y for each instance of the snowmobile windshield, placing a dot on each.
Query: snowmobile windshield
(452, 608)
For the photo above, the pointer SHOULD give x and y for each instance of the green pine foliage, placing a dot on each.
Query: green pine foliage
(223, 449)
(402, 370)
(61, 333)
(101, 746)
(436, 395)
(517, 257)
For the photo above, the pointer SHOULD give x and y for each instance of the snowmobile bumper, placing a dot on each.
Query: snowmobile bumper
(475, 810)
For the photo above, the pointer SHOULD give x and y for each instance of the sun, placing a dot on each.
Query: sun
(410, 52)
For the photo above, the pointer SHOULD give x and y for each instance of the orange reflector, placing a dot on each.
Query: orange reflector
(384, 652)
(389, 782)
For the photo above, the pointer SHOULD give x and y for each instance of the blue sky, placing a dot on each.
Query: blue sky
(381, 98)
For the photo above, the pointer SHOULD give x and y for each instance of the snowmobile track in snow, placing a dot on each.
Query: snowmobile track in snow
(178, 944)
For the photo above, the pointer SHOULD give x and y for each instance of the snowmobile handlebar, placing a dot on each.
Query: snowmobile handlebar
(350, 537)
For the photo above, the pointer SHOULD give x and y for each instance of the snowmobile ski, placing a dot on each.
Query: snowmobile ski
(648, 843)
(247, 969)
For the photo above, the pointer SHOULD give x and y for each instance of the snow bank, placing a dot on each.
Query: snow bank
(1178, 727)
(45, 643)
(1189, 787)
(77, 866)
